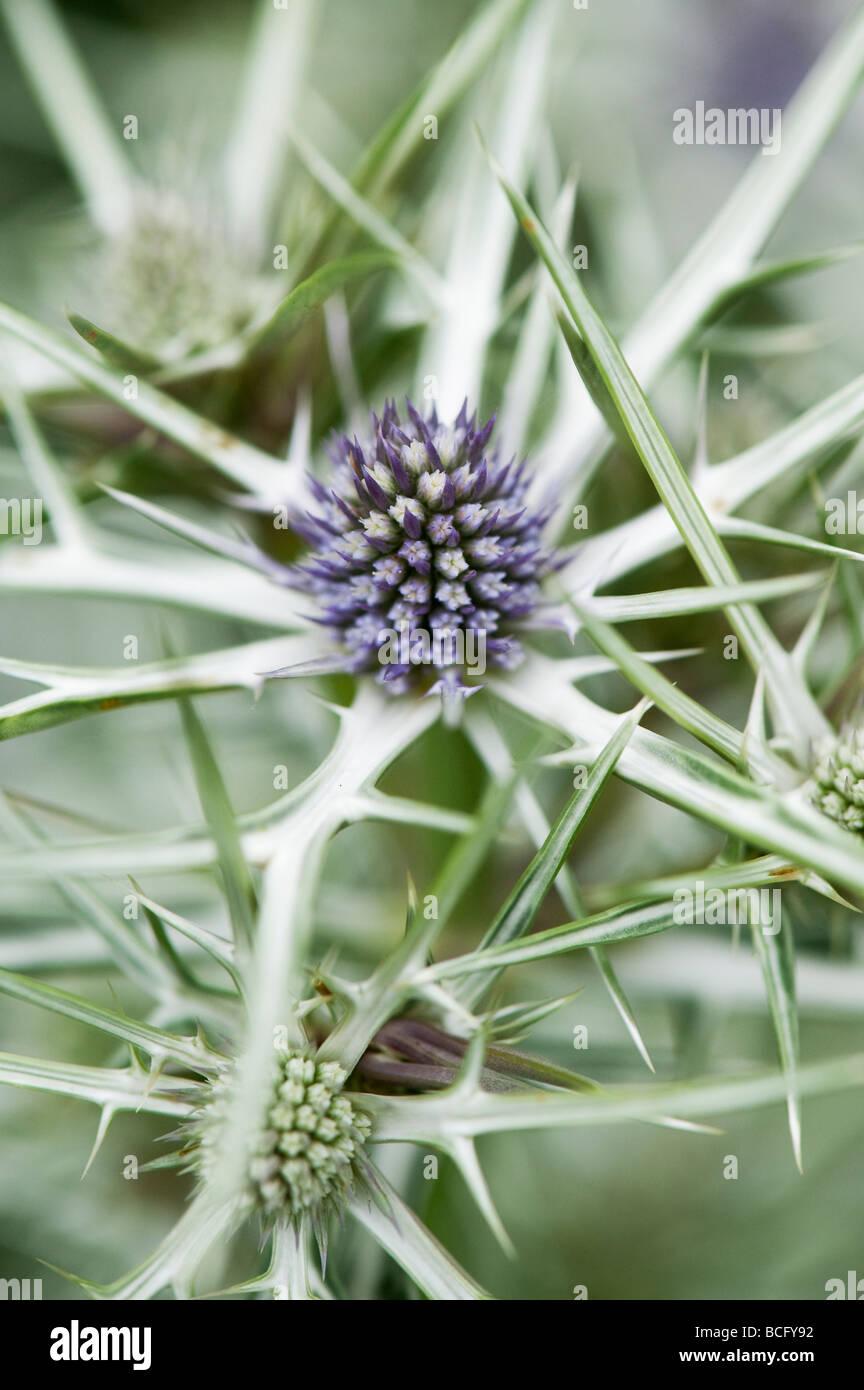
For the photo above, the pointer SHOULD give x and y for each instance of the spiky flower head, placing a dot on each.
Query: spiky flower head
(426, 557)
(838, 776)
(309, 1150)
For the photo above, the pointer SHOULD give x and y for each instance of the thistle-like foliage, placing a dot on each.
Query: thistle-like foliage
(838, 774)
(425, 552)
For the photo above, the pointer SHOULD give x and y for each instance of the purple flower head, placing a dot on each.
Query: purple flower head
(425, 555)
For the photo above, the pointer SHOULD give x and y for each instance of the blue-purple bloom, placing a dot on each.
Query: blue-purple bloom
(426, 556)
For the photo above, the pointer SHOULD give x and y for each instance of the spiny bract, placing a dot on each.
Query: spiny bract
(838, 774)
(426, 556)
(309, 1153)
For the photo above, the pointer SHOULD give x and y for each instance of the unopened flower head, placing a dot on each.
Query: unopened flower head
(838, 775)
(308, 1152)
(426, 557)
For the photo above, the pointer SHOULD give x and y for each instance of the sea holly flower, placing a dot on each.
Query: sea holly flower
(838, 776)
(425, 553)
(414, 1025)
(308, 1154)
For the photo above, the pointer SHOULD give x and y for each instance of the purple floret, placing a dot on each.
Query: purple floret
(422, 521)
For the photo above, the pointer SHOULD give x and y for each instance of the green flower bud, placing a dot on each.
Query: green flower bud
(838, 777)
(309, 1153)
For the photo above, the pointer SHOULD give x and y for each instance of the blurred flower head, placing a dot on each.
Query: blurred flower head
(170, 281)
